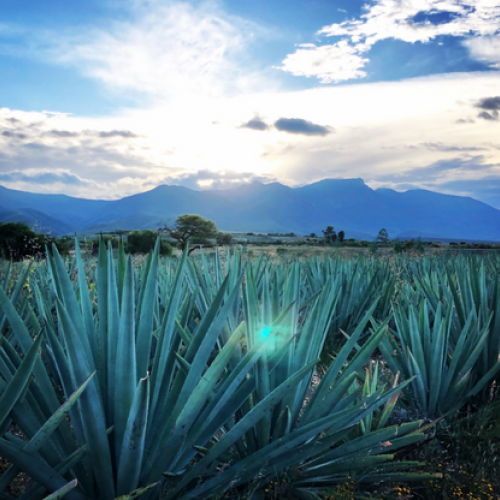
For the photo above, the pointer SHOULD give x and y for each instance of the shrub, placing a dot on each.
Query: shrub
(18, 241)
(144, 241)
(224, 238)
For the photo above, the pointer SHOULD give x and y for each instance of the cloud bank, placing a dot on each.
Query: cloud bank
(475, 20)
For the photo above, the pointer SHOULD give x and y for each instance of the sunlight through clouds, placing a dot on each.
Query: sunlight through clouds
(208, 111)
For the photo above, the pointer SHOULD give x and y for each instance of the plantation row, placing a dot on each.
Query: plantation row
(216, 376)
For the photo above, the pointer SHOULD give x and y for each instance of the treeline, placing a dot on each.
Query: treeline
(19, 241)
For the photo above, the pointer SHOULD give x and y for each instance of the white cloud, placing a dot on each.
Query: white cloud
(43, 177)
(57, 153)
(168, 50)
(381, 129)
(478, 20)
(485, 48)
(191, 61)
(207, 179)
(329, 63)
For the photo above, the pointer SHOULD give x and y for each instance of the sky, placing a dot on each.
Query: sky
(108, 98)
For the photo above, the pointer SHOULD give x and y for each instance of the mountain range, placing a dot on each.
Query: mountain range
(347, 204)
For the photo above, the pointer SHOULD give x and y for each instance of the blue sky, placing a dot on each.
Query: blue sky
(104, 99)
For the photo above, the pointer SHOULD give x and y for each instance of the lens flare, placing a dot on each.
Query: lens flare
(265, 333)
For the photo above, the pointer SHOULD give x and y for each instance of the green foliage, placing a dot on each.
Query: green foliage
(445, 367)
(419, 246)
(143, 242)
(382, 237)
(64, 245)
(330, 235)
(407, 246)
(192, 228)
(224, 238)
(188, 382)
(199, 378)
(91, 245)
(18, 241)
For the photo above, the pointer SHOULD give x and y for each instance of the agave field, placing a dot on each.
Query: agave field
(218, 376)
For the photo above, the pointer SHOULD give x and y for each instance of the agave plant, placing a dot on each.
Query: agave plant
(188, 383)
(15, 398)
(444, 367)
(292, 438)
(360, 282)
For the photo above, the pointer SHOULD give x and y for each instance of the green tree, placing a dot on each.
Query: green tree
(224, 238)
(192, 228)
(330, 235)
(17, 241)
(341, 236)
(382, 237)
(144, 241)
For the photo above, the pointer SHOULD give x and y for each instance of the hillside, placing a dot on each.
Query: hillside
(346, 204)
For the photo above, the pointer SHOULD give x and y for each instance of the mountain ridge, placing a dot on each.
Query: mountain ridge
(347, 204)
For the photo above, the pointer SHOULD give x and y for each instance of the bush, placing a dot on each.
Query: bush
(18, 241)
(224, 238)
(144, 241)
(64, 245)
(92, 245)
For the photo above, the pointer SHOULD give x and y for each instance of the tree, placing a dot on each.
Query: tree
(382, 237)
(18, 240)
(329, 234)
(341, 236)
(192, 228)
(224, 238)
(144, 241)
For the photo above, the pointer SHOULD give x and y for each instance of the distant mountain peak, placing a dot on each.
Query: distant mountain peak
(347, 204)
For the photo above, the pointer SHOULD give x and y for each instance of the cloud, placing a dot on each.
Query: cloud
(491, 105)
(125, 134)
(481, 180)
(62, 134)
(439, 146)
(44, 177)
(207, 179)
(290, 125)
(485, 48)
(255, 124)
(493, 115)
(442, 168)
(105, 134)
(476, 21)
(486, 189)
(374, 125)
(474, 176)
(328, 63)
(55, 153)
(300, 126)
(14, 135)
(160, 50)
